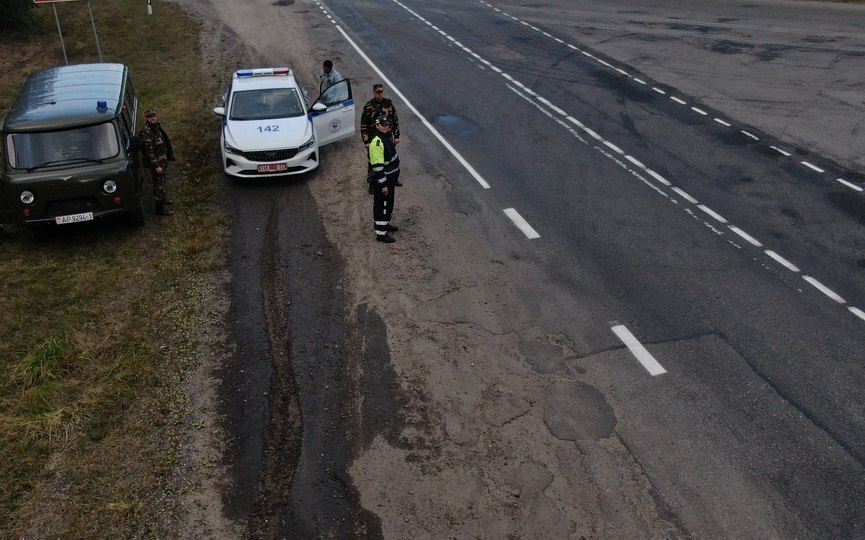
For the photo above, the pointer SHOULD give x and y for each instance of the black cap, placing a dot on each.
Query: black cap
(382, 120)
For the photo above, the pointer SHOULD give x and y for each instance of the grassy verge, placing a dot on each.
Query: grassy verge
(98, 323)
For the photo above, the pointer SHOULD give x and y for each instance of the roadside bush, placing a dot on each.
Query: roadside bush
(16, 14)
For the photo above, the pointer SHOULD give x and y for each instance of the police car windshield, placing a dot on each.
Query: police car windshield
(57, 148)
(266, 103)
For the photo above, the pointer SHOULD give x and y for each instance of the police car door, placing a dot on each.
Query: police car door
(332, 114)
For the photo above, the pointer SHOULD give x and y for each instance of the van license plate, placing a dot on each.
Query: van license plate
(74, 218)
(273, 167)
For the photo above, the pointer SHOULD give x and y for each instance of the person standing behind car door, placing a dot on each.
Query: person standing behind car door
(156, 152)
(384, 163)
(328, 76)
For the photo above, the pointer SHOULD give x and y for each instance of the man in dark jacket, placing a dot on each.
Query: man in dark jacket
(384, 163)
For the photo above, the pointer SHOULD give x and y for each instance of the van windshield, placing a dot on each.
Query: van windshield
(58, 148)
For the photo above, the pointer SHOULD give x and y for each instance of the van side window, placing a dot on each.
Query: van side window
(128, 112)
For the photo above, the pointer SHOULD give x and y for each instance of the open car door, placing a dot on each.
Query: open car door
(332, 114)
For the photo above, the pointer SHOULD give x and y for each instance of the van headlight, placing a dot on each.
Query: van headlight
(109, 186)
(230, 149)
(307, 144)
(27, 197)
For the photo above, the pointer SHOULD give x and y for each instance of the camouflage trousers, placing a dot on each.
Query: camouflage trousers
(160, 185)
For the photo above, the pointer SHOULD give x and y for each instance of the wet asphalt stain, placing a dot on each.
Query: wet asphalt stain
(730, 47)
(457, 125)
(850, 203)
(692, 27)
(284, 3)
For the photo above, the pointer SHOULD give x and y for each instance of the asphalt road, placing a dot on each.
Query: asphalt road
(681, 209)
(689, 173)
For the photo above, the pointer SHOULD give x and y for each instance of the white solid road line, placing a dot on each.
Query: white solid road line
(468, 167)
(521, 223)
(640, 353)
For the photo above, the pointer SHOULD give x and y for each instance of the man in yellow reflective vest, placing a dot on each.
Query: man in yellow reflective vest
(384, 163)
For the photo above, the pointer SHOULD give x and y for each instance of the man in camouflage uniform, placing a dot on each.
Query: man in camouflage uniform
(374, 108)
(156, 152)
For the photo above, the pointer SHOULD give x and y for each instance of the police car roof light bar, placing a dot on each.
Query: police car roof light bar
(262, 72)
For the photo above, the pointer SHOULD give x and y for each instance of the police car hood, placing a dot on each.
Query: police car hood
(269, 134)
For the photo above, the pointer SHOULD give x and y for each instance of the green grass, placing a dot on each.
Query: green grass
(98, 324)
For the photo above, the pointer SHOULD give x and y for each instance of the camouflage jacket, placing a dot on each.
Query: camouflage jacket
(156, 148)
(371, 110)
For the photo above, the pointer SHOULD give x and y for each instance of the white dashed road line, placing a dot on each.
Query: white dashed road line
(521, 223)
(813, 167)
(782, 261)
(718, 217)
(824, 289)
(684, 194)
(640, 353)
(850, 185)
(748, 238)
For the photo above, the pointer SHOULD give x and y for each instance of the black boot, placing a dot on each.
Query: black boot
(162, 209)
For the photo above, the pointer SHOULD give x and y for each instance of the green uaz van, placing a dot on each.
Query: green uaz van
(70, 148)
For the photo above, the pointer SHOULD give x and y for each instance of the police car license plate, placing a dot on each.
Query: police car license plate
(74, 218)
(273, 167)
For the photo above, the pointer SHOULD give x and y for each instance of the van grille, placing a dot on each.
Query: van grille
(71, 206)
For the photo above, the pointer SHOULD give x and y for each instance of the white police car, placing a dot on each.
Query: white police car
(268, 128)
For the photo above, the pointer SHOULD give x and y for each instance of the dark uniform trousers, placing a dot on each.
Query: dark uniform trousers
(384, 162)
(156, 151)
(382, 205)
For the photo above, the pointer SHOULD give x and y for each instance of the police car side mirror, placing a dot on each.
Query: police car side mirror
(134, 144)
(220, 111)
(318, 107)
